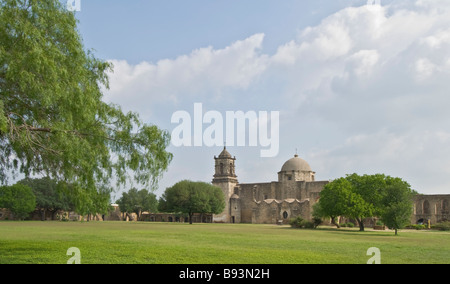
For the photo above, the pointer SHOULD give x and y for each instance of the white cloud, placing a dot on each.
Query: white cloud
(204, 70)
(377, 77)
(416, 157)
(424, 68)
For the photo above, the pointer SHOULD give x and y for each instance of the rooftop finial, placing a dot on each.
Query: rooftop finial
(296, 154)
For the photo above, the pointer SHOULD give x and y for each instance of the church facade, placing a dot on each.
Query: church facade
(276, 202)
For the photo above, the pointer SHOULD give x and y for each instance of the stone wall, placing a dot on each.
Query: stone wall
(271, 211)
(435, 208)
(171, 217)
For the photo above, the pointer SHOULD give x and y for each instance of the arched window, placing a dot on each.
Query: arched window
(221, 168)
(285, 215)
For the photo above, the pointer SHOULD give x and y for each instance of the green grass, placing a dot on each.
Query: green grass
(148, 243)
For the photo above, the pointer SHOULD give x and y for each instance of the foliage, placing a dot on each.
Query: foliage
(317, 221)
(296, 222)
(48, 196)
(416, 226)
(19, 199)
(135, 201)
(338, 199)
(396, 205)
(53, 119)
(299, 222)
(192, 197)
(358, 197)
(443, 226)
(367, 190)
(90, 202)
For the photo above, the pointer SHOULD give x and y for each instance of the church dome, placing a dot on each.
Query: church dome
(296, 164)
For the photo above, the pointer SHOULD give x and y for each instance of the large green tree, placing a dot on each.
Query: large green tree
(135, 201)
(19, 199)
(53, 119)
(359, 197)
(338, 198)
(48, 197)
(192, 197)
(396, 205)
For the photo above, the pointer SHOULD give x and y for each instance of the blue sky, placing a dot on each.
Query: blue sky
(359, 88)
(142, 30)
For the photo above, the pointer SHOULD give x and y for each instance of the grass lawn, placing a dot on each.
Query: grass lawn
(174, 243)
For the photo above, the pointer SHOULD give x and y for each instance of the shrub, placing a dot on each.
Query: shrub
(443, 226)
(19, 199)
(418, 227)
(317, 221)
(296, 222)
(299, 223)
(308, 225)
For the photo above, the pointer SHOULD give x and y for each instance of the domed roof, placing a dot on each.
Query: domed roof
(225, 153)
(296, 164)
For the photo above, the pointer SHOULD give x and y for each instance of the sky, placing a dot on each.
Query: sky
(359, 88)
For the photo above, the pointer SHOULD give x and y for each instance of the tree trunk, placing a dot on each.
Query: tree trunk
(190, 218)
(43, 214)
(333, 221)
(361, 224)
(396, 231)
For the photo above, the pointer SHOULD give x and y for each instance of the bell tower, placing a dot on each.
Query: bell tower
(226, 179)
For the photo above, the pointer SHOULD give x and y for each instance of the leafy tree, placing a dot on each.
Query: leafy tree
(48, 197)
(53, 119)
(192, 197)
(332, 200)
(397, 204)
(135, 201)
(91, 203)
(359, 197)
(19, 199)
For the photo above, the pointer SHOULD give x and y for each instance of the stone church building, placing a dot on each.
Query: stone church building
(293, 195)
(267, 203)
